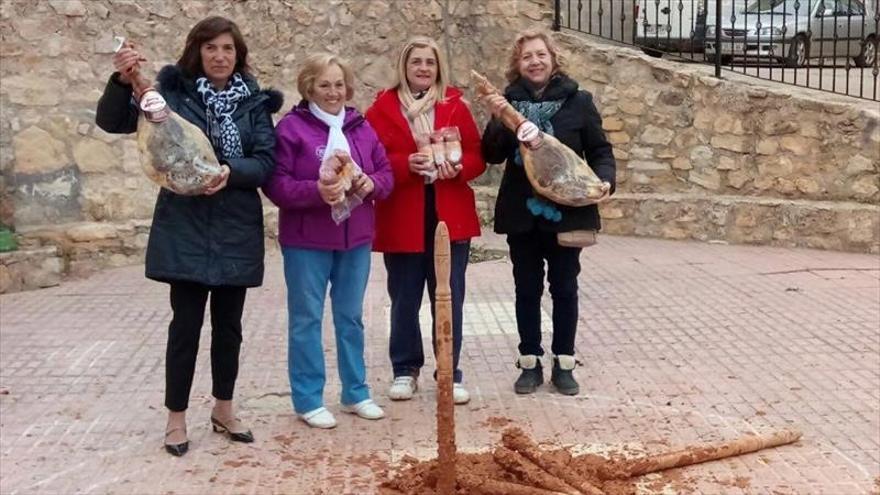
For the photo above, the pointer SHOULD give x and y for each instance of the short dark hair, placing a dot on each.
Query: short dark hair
(190, 61)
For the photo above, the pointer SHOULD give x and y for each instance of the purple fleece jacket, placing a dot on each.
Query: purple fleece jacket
(304, 218)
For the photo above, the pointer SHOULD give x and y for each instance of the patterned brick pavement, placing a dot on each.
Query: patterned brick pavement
(681, 342)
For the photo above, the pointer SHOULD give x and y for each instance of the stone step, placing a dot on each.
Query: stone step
(30, 268)
(842, 226)
(87, 247)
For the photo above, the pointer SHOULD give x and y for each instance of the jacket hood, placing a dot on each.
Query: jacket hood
(172, 78)
(560, 87)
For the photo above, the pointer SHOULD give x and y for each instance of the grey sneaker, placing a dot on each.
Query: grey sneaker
(532, 375)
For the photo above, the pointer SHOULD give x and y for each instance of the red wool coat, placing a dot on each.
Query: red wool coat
(400, 218)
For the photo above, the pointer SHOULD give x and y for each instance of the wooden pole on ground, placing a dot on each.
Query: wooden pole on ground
(697, 454)
(443, 345)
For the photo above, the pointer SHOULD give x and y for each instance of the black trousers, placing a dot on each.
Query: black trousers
(528, 252)
(188, 300)
(408, 273)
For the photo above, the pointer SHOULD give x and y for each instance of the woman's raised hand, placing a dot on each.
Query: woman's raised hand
(496, 104)
(126, 61)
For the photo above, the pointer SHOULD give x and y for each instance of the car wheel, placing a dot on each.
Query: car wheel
(798, 52)
(869, 53)
(710, 58)
(652, 52)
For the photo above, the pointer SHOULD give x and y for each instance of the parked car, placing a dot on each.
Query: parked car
(794, 31)
(670, 26)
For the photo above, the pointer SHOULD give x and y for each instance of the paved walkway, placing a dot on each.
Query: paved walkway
(680, 342)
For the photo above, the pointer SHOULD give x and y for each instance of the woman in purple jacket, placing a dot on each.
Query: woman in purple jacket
(316, 249)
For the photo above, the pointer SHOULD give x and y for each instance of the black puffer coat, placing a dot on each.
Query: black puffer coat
(578, 125)
(214, 240)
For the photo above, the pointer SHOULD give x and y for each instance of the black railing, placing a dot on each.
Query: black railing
(830, 45)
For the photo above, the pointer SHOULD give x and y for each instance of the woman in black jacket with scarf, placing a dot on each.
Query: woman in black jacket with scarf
(209, 245)
(545, 95)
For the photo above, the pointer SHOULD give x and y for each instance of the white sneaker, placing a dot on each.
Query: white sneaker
(460, 394)
(319, 418)
(403, 388)
(366, 409)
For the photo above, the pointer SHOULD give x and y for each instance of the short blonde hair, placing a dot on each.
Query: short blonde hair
(315, 65)
(512, 73)
(442, 81)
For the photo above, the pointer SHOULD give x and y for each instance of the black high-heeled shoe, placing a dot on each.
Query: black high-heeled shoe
(176, 449)
(244, 437)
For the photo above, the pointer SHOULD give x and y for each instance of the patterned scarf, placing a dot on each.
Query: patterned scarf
(539, 113)
(219, 107)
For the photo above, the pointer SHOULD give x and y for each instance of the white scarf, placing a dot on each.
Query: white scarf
(336, 139)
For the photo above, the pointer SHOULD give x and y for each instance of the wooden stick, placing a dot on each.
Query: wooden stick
(697, 454)
(529, 472)
(443, 336)
(486, 486)
(517, 440)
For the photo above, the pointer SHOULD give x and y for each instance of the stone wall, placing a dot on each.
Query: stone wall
(59, 167)
(698, 158)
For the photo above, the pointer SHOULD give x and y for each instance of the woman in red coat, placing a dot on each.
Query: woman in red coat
(428, 188)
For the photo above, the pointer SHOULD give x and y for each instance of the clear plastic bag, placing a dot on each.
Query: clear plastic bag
(452, 144)
(425, 145)
(340, 167)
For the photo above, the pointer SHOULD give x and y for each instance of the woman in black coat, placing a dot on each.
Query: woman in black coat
(209, 245)
(545, 95)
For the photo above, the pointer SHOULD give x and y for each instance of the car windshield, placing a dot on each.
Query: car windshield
(774, 7)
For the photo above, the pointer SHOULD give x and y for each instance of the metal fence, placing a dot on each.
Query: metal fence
(830, 45)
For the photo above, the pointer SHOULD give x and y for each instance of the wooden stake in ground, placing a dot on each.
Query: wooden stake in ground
(697, 454)
(443, 350)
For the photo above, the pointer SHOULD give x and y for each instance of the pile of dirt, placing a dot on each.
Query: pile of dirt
(519, 467)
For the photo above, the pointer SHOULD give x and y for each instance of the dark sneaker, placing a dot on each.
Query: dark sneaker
(532, 375)
(562, 376)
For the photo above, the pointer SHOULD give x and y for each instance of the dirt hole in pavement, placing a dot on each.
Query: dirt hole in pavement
(504, 470)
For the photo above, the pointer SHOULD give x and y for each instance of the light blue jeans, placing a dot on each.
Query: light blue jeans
(307, 273)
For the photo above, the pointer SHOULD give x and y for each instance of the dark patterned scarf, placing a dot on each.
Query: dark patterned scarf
(220, 106)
